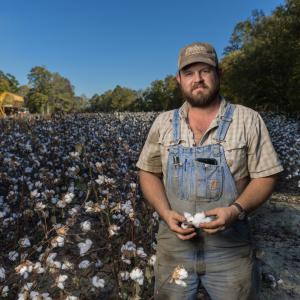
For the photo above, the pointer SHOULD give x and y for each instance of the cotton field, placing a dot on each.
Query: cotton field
(73, 223)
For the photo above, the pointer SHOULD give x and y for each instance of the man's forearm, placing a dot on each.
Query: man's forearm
(254, 195)
(154, 191)
(257, 192)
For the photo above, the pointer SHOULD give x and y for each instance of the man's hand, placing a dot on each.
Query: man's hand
(174, 219)
(224, 217)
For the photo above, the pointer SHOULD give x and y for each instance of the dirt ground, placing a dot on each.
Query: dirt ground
(276, 227)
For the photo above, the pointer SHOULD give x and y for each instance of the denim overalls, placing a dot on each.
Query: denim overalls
(199, 179)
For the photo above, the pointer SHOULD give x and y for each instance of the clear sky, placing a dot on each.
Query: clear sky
(98, 44)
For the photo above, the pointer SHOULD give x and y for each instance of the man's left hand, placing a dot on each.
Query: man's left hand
(224, 217)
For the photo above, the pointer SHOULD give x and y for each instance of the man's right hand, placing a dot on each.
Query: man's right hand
(174, 219)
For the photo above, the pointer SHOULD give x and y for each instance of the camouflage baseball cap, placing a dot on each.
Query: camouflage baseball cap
(197, 52)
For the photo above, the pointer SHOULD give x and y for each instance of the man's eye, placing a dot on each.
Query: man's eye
(206, 70)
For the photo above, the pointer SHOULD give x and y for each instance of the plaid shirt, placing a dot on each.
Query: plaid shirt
(248, 148)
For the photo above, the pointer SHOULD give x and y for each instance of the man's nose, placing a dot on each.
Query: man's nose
(198, 76)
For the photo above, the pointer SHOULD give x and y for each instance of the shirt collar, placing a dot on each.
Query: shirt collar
(183, 111)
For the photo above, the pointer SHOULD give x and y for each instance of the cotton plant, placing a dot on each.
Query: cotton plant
(74, 188)
(24, 269)
(178, 276)
(128, 251)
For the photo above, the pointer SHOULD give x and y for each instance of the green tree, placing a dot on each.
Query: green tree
(8, 83)
(23, 90)
(118, 99)
(61, 96)
(36, 102)
(50, 90)
(163, 94)
(40, 80)
(122, 98)
(263, 67)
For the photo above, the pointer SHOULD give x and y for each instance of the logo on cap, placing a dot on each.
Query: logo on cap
(195, 49)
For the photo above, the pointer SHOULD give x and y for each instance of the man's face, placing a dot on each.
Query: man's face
(199, 83)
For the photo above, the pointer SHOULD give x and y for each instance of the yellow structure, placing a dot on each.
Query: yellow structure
(10, 103)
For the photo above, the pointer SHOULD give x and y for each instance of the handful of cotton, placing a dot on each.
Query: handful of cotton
(195, 220)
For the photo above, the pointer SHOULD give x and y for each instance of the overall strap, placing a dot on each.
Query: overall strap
(176, 126)
(224, 122)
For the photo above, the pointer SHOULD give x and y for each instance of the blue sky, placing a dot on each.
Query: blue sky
(99, 44)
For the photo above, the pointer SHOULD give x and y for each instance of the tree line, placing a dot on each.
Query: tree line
(260, 66)
(45, 93)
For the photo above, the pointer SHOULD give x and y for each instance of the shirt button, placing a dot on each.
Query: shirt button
(230, 162)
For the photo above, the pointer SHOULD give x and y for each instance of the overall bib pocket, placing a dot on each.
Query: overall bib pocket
(209, 179)
(176, 169)
(176, 176)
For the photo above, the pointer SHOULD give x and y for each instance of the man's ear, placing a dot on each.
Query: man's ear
(178, 77)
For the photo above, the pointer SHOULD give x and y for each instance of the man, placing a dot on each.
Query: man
(215, 157)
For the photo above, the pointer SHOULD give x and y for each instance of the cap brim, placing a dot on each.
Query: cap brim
(192, 60)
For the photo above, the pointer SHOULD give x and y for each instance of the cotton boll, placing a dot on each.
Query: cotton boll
(61, 204)
(68, 197)
(13, 255)
(24, 242)
(124, 275)
(67, 265)
(85, 226)
(195, 220)
(113, 230)
(178, 276)
(201, 218)
(84, 264)
(60, 241)
(2, 273)
(189, 218)
(45, 296)
(60, 281)
(137, 275)
(98, 263)
(152, 260)
(100, 179)
(140, 252)
(85, 247)
(98, 282)
(5, 291)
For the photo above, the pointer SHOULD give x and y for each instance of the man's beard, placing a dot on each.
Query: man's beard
(202, 100)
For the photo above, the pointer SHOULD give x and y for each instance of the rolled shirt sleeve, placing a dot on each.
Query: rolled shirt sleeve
(150, 156)
(262, 157)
